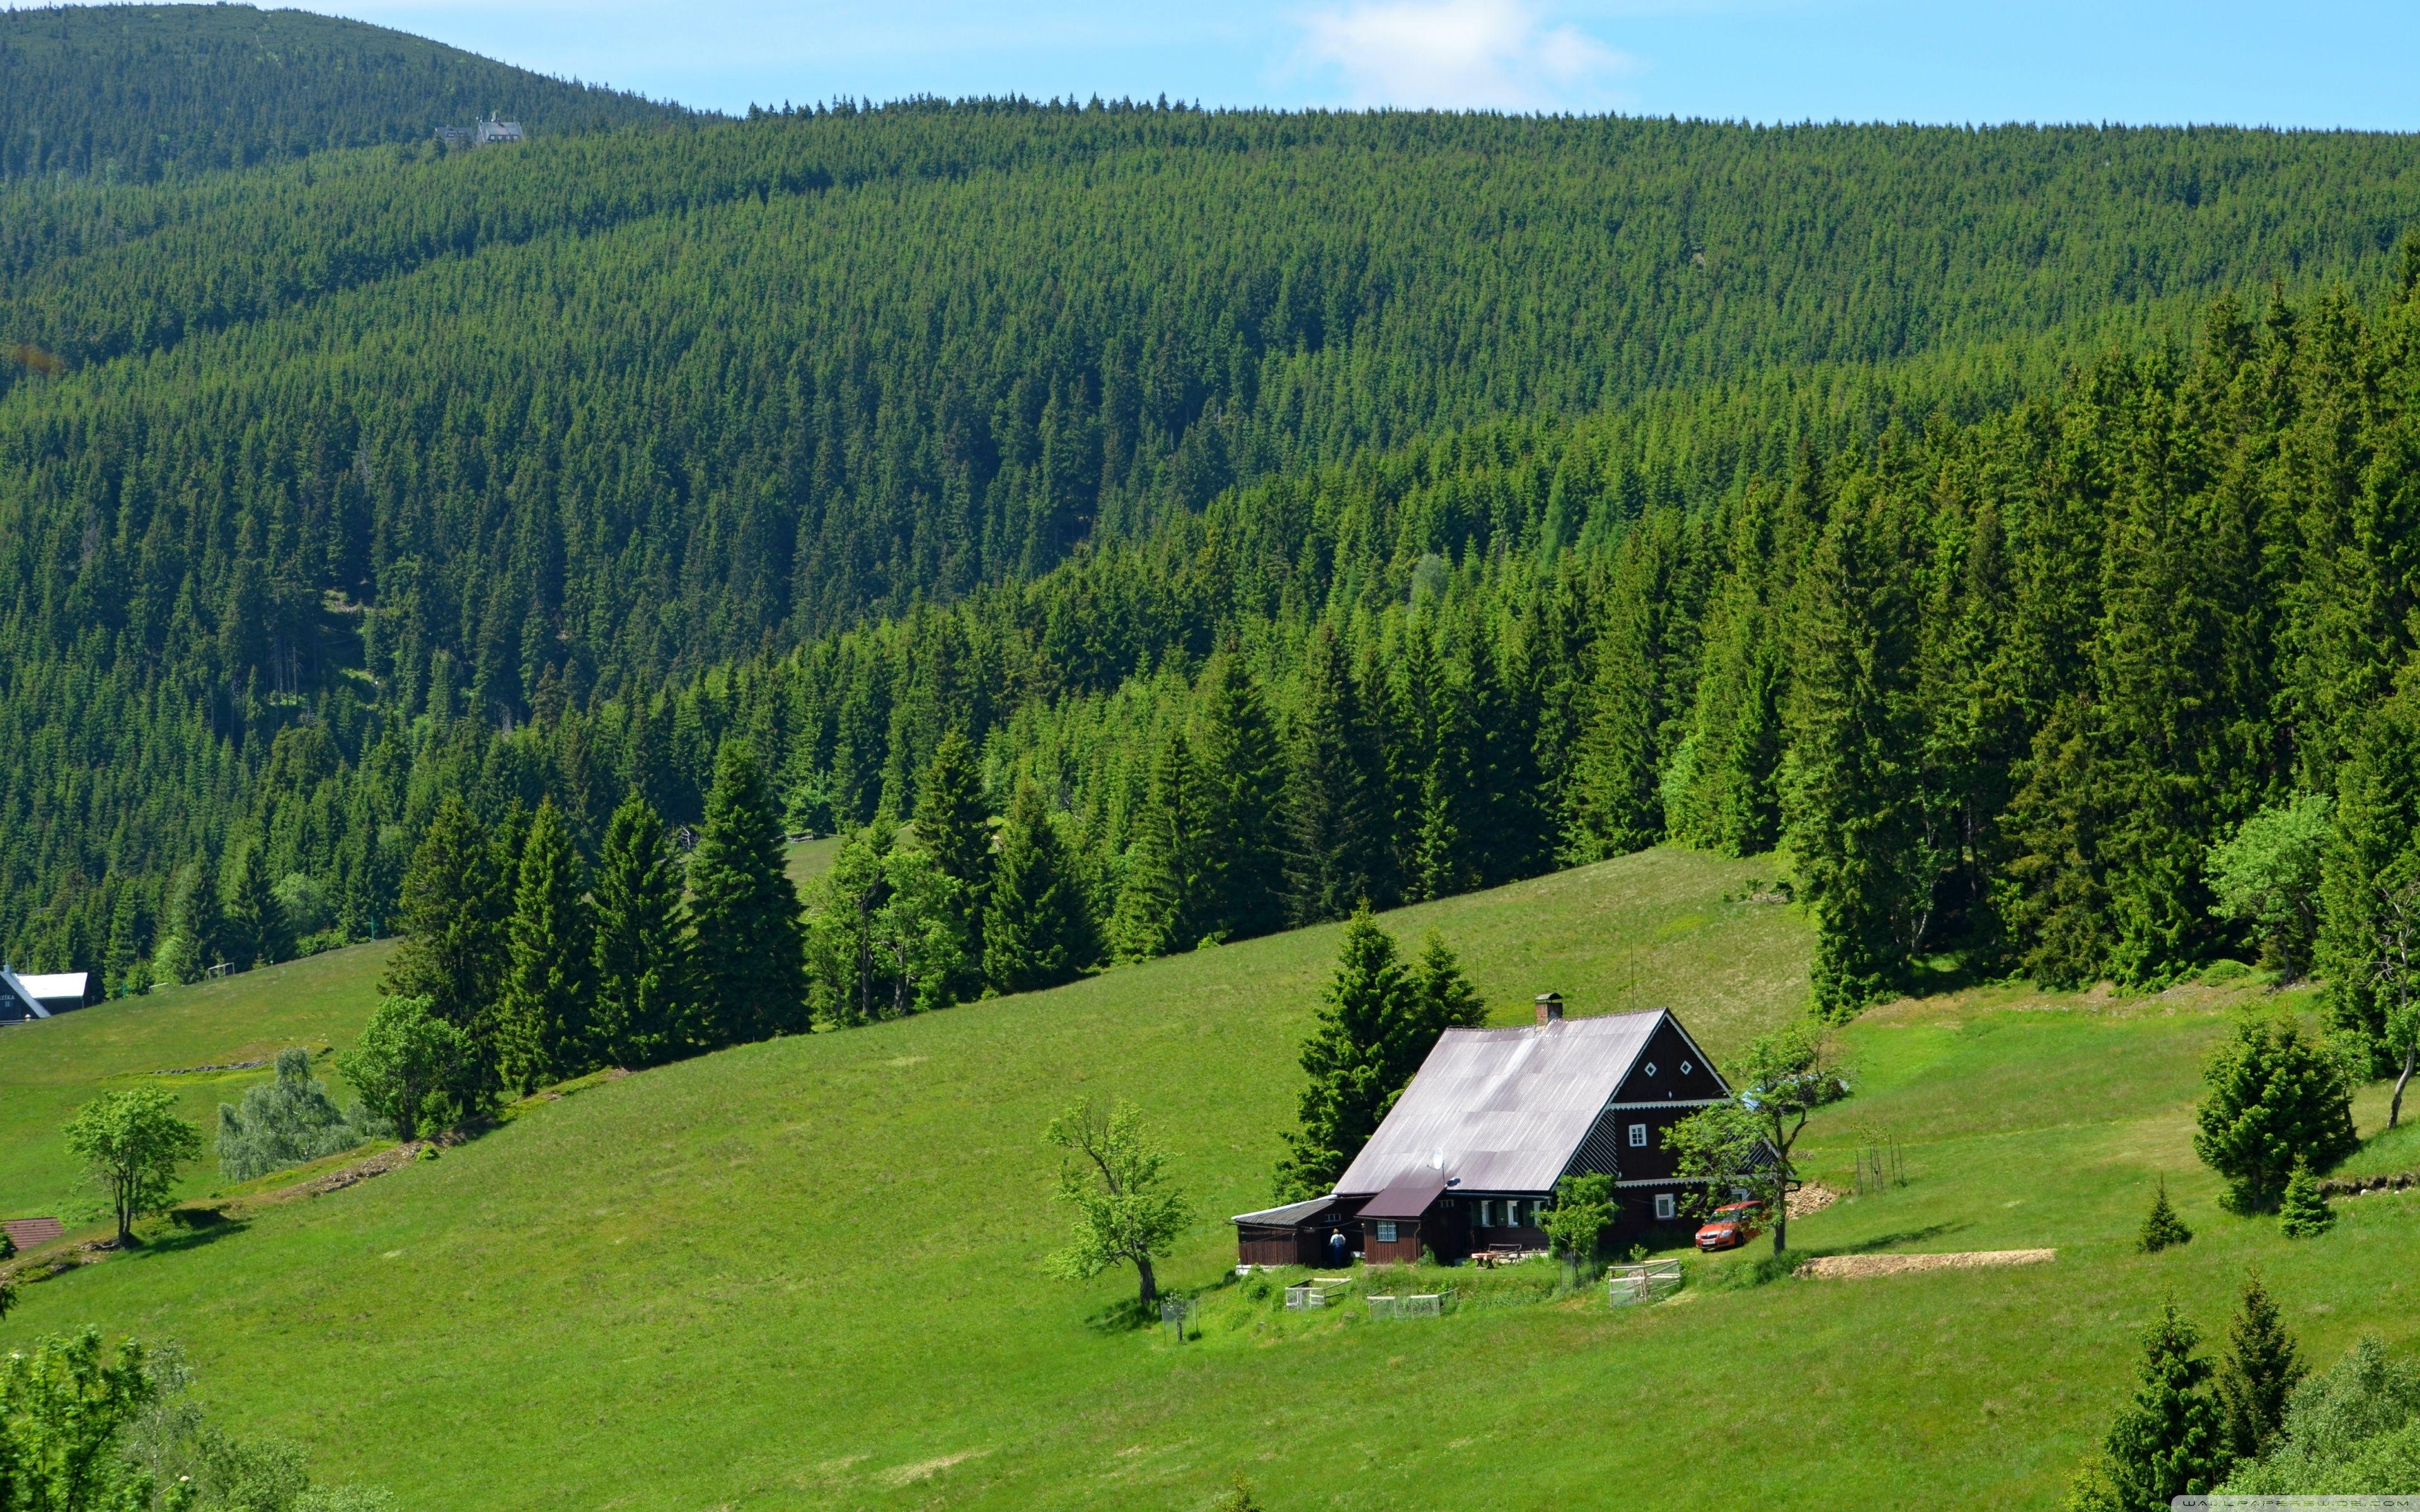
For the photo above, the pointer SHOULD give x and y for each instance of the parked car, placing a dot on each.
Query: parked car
(1732, 1225)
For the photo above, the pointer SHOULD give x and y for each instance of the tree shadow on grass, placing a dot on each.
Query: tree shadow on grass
(189, 1228)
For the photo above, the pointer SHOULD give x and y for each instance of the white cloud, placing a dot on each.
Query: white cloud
(1460, 54)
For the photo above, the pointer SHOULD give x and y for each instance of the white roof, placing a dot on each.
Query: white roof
(56, 984)
(1502, 1110)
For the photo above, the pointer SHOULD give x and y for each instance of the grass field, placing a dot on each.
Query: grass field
(808, 1272)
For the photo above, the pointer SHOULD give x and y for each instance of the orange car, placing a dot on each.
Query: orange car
(1732, 1225)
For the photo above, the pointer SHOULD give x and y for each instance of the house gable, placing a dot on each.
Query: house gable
(1670, 1067)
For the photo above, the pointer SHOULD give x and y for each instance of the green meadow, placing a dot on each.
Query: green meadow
(808, 1272)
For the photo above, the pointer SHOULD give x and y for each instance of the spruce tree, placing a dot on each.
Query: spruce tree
(257, 932)
(2162, 1227)
(1443, 998)
(2303, 1212)
(1358, 1055)
(1336, 798)
(750, 969)
(641, 948)
(2256, 1375)
(2168, 1442)
(2274, 1100)
(2375, 852)
(1243, 778)
(197, 933)
(545, 1021)
(1038, 929)
(954, 828)
(452, 915)
(1856, 804)
(1168, 902)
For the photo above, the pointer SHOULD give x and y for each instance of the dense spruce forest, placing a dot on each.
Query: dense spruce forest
(136, 93)
(1288, 511)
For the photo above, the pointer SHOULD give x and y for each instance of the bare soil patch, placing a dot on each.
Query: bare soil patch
(1858, 1267)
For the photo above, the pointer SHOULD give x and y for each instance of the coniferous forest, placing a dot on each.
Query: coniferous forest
(1133, 526)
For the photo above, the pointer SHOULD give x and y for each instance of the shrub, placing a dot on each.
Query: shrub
(289, 1121)
(2274, 1096)
(2351, 1430)
(2304, 1212)
(2162, 1227)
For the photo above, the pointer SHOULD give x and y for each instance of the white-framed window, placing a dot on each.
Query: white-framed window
(1664, 1208)
(1387, 1229)
(1485, 1213)
(1639, 1136)
(1650, 1068)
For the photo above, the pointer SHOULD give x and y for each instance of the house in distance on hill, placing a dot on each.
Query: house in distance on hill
(1469, 1157)
(40, 996)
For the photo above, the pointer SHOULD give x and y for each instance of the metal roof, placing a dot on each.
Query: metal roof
(1407, 1196)
(1287, 1216)
(1501, 1110)
(56, 984)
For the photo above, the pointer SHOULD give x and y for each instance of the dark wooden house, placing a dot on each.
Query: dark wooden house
(40, 996)
(1468, 1159)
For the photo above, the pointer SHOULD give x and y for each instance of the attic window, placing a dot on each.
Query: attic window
(1650, 1068)
(1686, 1067)
(1639, 1136)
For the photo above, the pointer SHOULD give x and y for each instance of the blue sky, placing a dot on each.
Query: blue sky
(2320, 63)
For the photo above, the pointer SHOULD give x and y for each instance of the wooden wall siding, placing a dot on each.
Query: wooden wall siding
(1668, 1050)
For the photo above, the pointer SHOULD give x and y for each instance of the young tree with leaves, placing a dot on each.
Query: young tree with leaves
(1127, 1212)
(749, 972)
(1781, 1082)
(2393, 976)
(2272, 1098)
(919, 933)
(409, 1064)
(545, 1022)
(132, 1142)
(844, 935)
(2266, 874)
(1578, 1219)
(1038, 928)
(641, 949)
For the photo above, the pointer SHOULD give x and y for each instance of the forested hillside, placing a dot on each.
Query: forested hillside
(135, 92)
(1475, 493)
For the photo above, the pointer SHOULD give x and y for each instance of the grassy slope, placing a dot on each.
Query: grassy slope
(47, 1068)
(807, 1272)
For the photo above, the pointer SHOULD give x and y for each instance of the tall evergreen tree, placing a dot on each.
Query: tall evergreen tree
(1358, 1055)
(256, 931)
(2376, 853)
(750, 971)
(195, 938)
(1855, 798)
(452, 915)
(1243, 778)
(1038, 929)
(1335, 791)
(1442, 997)
(642, 1005)
(1169, 900)
(2256, 1375)
(2169, 1441)
(954, 828)
(2273, 1098)
(545, 1019)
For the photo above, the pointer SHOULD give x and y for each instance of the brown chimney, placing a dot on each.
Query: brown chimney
(1550, 1008)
